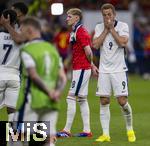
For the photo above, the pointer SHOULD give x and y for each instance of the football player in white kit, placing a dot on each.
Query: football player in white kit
(21, 10)
(111, 37)
(9, 67)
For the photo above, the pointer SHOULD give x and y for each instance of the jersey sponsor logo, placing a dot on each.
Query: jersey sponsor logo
(123, 91)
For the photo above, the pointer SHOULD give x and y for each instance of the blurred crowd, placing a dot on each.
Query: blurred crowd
(54, 27)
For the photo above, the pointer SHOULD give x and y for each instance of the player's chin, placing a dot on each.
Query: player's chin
(68, 23)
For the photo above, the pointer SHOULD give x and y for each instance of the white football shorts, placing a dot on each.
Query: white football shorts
(80, 82)
(9, 90)
(28, 114)
(116, 82)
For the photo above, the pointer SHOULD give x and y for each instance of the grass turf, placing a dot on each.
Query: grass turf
(140, 101)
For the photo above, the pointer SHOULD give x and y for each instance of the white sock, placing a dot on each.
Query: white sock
(127, 113)
(71, 110)
(105, 118)
(85, 114)
(11, 117)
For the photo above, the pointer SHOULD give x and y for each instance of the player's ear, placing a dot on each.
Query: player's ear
(115, 14)
(77, 17)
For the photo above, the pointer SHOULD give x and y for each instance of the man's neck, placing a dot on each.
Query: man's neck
(20, 19)
(34, 37)
(75, 25)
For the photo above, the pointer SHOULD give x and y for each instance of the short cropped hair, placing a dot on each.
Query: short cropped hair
(12, 15)
(75, 11)
(108, 6)
(21, 6)
(31, 21)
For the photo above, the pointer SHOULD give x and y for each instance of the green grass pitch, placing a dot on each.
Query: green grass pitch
(140, 101)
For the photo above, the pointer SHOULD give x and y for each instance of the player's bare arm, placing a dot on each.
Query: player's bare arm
(97, 42)
(60, 84)
(121, 40)
(89, 55)
(17, 37)
(38, 82)
(62, 80)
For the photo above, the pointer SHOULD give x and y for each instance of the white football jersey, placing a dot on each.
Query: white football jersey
(9, 55)
(112, 57)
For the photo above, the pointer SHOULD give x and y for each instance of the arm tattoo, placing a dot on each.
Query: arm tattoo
(40, 84)
(90, 57)
(60, 85)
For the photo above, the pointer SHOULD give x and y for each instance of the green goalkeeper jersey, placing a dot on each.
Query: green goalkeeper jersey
(46, 61)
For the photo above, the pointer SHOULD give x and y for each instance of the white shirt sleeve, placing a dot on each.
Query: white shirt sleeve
(124, 31)
(98, 30)
(27, 60)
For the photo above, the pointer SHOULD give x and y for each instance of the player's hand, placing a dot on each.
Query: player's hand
(110, 24)
(106, 27)
(95, 70)
(57, 94)
(51, 94)
(4, 21)
(54, 95)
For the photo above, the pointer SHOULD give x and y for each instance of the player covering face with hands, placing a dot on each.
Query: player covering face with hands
(111, 37)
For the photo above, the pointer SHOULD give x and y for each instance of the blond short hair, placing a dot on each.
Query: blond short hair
(75, 11)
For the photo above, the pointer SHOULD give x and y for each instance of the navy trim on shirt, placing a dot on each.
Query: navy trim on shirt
(115, 24)
(21, 111)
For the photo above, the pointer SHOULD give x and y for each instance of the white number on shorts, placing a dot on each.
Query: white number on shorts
(124, 84)
(73, 84)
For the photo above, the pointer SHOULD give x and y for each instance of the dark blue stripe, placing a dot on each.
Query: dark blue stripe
(20, 70)
(21, 111)
(116, 22)
(127, 82)
(3, 30)
(125, 59)
(80, 82)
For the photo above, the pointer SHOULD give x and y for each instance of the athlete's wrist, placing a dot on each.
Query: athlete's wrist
(92, 65)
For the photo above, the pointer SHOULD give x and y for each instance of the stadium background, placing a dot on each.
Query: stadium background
(137, 14)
